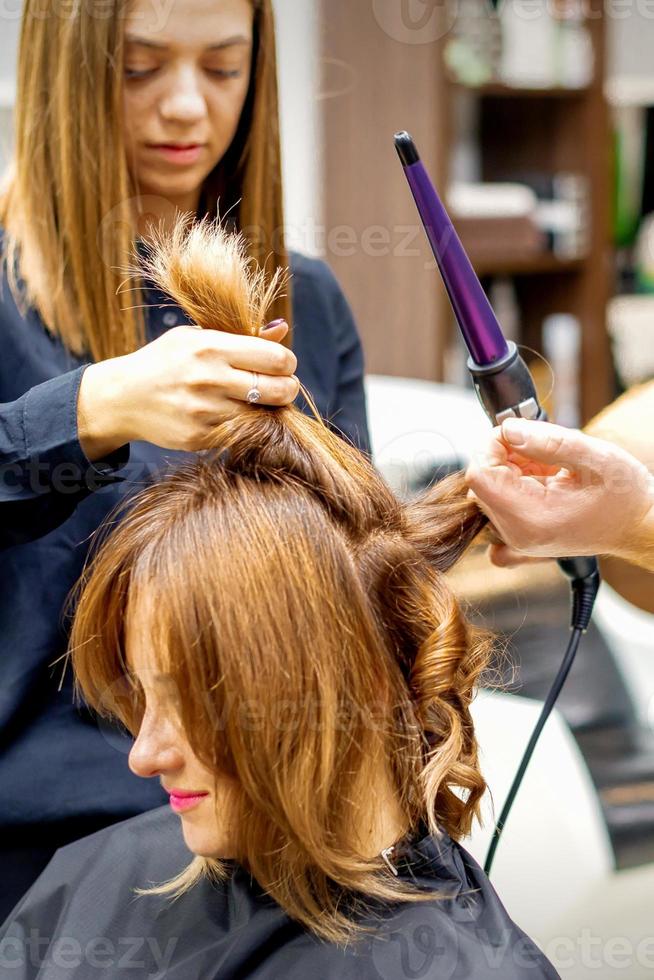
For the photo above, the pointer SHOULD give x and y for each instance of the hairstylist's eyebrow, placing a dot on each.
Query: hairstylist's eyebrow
(230, 42)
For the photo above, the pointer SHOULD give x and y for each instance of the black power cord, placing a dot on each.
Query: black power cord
(585, 582)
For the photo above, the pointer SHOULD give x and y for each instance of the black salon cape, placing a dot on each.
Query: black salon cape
(80, 920)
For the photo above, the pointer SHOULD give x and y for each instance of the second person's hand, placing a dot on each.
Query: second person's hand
(173, 391)
(551, 492)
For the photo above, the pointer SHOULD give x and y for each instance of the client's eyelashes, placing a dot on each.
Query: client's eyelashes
(223, 73)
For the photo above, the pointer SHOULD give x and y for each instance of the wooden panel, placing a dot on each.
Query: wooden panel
(597, 385)
(375, 85)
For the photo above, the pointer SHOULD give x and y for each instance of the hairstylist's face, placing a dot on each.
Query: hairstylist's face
(186, 82)
(161, 750)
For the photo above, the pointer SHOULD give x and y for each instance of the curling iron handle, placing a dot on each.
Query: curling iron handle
(506, 390)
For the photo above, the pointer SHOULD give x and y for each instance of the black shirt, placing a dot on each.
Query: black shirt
(81, 921)
(62, 770)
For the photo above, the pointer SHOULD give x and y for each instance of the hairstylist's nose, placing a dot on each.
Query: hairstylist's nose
(184, 100)
(156, 751)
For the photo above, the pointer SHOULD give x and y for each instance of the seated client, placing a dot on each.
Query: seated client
(275, 629)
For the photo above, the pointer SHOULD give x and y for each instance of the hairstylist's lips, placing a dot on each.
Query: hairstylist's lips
(182, 800)
(178, 152)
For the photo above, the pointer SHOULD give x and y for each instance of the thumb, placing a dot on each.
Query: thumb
(275, 331)
(554, 445)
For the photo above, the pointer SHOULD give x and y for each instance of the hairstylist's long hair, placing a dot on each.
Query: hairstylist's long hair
(65, 197)
(287, 576)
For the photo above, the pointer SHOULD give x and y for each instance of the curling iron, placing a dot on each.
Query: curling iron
(505, 389)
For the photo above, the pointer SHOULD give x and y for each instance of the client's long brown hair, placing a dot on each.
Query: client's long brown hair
(287, 575)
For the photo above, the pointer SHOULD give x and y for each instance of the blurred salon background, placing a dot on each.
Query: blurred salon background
(536, 121)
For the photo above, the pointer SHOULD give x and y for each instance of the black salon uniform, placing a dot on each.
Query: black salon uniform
(80, 921)
(63, 773)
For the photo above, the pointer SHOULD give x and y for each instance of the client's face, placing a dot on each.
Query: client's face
(162, 749)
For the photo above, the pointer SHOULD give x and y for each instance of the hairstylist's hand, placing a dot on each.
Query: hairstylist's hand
(173, 391)
(551, 492)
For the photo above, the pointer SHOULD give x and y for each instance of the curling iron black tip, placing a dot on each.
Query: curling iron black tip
(406, 149)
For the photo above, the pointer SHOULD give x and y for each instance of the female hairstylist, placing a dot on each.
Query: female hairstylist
(553, 491)
(126, 114)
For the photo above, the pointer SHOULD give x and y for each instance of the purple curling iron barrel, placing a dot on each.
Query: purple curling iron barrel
(502, 380)
(506, 390)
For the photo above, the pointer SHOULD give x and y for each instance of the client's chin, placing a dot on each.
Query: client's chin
(205, 840)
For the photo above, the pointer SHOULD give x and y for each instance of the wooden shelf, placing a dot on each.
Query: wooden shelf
(519, 265)
(499, 90)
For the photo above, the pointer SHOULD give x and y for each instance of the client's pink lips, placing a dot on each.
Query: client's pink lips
(181, 799)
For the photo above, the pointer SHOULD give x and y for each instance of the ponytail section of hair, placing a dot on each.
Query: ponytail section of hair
(209, 274)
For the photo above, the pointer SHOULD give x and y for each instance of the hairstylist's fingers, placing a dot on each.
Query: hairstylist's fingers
(555, 445)
(275, 391)
(500, 553)
(493, 485)
(504, 556)
(258, 354)
(496, 452)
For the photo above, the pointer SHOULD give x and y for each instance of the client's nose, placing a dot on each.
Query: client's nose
(156, 751)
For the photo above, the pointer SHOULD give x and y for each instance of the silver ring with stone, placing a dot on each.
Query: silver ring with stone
(254, 395)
